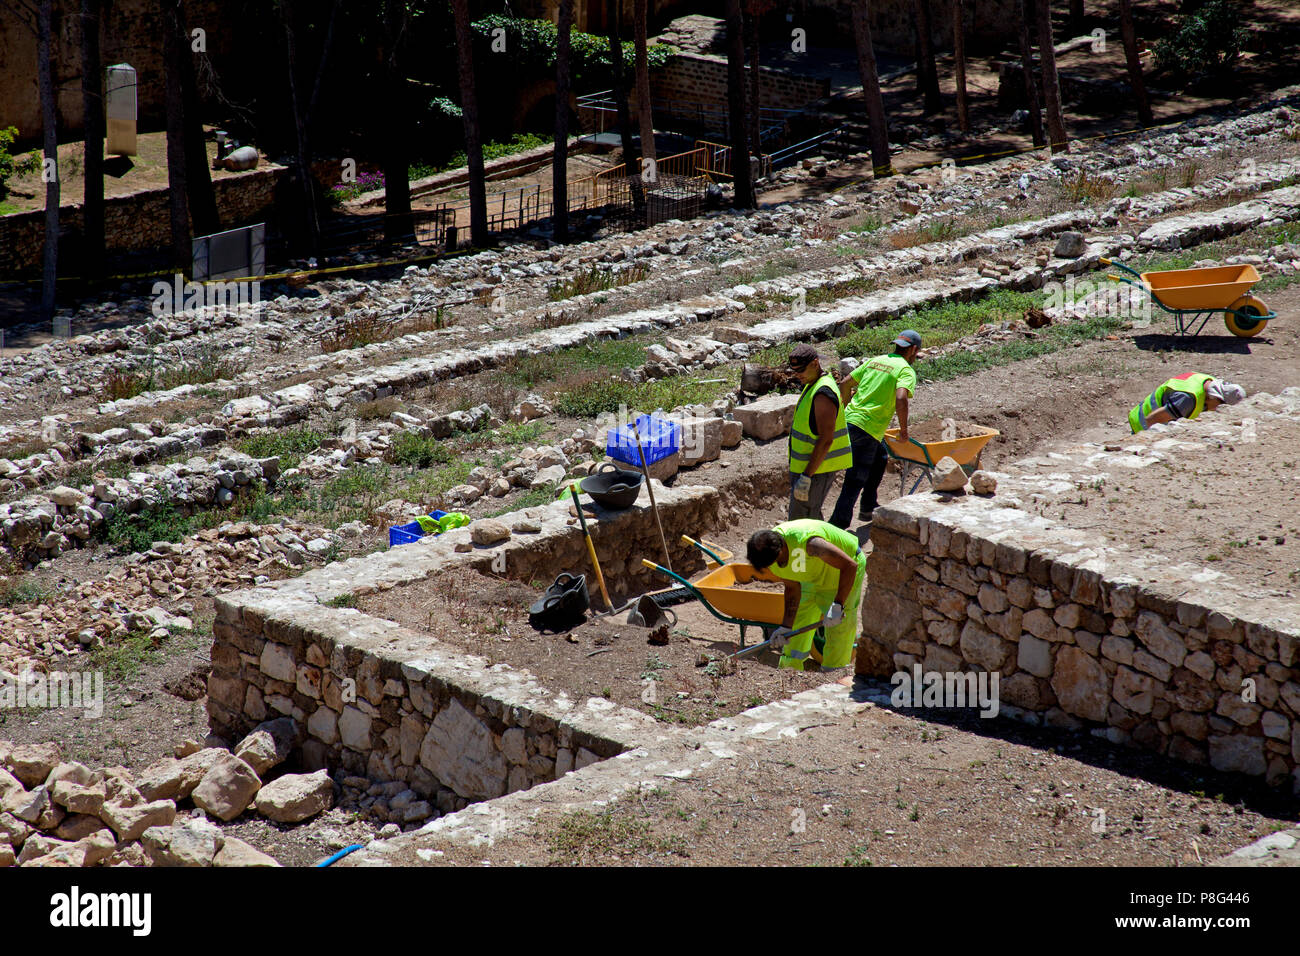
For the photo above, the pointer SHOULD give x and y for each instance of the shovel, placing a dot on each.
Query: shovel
(763, 645)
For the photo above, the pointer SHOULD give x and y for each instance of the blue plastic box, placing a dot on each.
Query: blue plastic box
(411, 531)
(659, 439)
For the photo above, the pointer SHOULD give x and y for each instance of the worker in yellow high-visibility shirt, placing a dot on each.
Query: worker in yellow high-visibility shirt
(1183, 396)
(819, 436)
(874, 391)
(823, 571)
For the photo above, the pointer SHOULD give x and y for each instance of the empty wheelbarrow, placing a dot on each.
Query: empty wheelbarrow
(1194, 296)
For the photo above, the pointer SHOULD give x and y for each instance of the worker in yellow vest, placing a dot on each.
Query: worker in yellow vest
(823, 571)
(819, 436)
(1183, 396)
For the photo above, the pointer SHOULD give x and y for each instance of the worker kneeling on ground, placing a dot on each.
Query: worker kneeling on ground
(823, 570)
(1184, 396)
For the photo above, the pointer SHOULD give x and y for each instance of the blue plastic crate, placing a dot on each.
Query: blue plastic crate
(411, 531)
(659, 439)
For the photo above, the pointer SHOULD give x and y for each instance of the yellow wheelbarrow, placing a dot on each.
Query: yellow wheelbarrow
(720, 593)
(1194, 296)
(912, 454)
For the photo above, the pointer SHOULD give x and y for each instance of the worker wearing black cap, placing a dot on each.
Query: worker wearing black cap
(875, 390)
(819, 438)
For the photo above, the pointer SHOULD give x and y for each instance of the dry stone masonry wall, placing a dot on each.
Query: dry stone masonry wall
(394, 704)
(1172, 658)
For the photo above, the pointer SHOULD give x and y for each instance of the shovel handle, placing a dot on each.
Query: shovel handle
(749, 651)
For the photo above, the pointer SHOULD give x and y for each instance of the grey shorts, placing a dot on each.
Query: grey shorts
(1180, 404)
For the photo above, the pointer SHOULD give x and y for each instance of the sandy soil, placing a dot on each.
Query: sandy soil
(887, 789)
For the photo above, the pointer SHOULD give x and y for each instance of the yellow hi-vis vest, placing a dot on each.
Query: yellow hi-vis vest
(840, 455)
(1193, 383)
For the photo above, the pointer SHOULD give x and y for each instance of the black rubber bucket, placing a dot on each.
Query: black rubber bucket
(563, 606)
(614, 488)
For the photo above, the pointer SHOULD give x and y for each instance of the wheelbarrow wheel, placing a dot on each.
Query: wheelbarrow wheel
(1239, 317)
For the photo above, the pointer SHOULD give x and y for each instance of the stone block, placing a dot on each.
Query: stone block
(1080, 684)
(768, 417)
(1035, 656)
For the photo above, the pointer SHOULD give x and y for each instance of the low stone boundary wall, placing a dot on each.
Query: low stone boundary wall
(138, 220)
(377, 698)
(1085, 636)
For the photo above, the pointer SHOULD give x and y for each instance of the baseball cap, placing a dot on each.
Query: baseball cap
(801, 355)
(1226, 392)
(908, 339)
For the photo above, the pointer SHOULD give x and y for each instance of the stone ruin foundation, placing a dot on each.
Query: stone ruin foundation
(372, 697)
(1144, 649)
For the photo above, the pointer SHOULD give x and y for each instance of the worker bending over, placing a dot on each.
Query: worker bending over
(819, 437)
(823, 571)
(1184, 396)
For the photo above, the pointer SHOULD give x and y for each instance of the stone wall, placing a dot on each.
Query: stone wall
(396, 704)
(1136, 649)
(130, 32)
(700, 77)
(136, 221)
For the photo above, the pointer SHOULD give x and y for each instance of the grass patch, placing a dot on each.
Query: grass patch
(22, 590)
(158, 522)
(418, 451)
(379, 409)
(343, 600)
(127, 657)
(593, 393)
(529, 499)
(128, 383)
(939, 324)
(596, 279)
(432, 484)
(289, 445)
(935, 231)
(772, 269)
(583, 836)
(1050, 340)
(866, 225)
(1085, 187)
(604, 355)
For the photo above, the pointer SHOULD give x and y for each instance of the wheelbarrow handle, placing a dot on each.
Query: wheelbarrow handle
(1119, 265)
(687, 539)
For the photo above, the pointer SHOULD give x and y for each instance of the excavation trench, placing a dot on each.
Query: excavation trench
(418, 664)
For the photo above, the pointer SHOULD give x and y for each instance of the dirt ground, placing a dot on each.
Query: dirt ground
(888, 789)
(1082, 393)
(1230, 504)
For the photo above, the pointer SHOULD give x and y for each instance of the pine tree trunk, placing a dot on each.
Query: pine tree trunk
(1145, 116)
(1076, 17)
(959, 64)
(1051, 85)
(50, 144)
(560, 166)
(742, 178)
(614, 35)
(645, 108)
(927, 74)
(1031, 87)
(473, 134)
(92, 107)
(875, 103)
(754, 91)
(397, 183)
(177, 188)
(198, 178)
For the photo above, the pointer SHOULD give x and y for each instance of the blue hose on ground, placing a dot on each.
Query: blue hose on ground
(340, 854)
